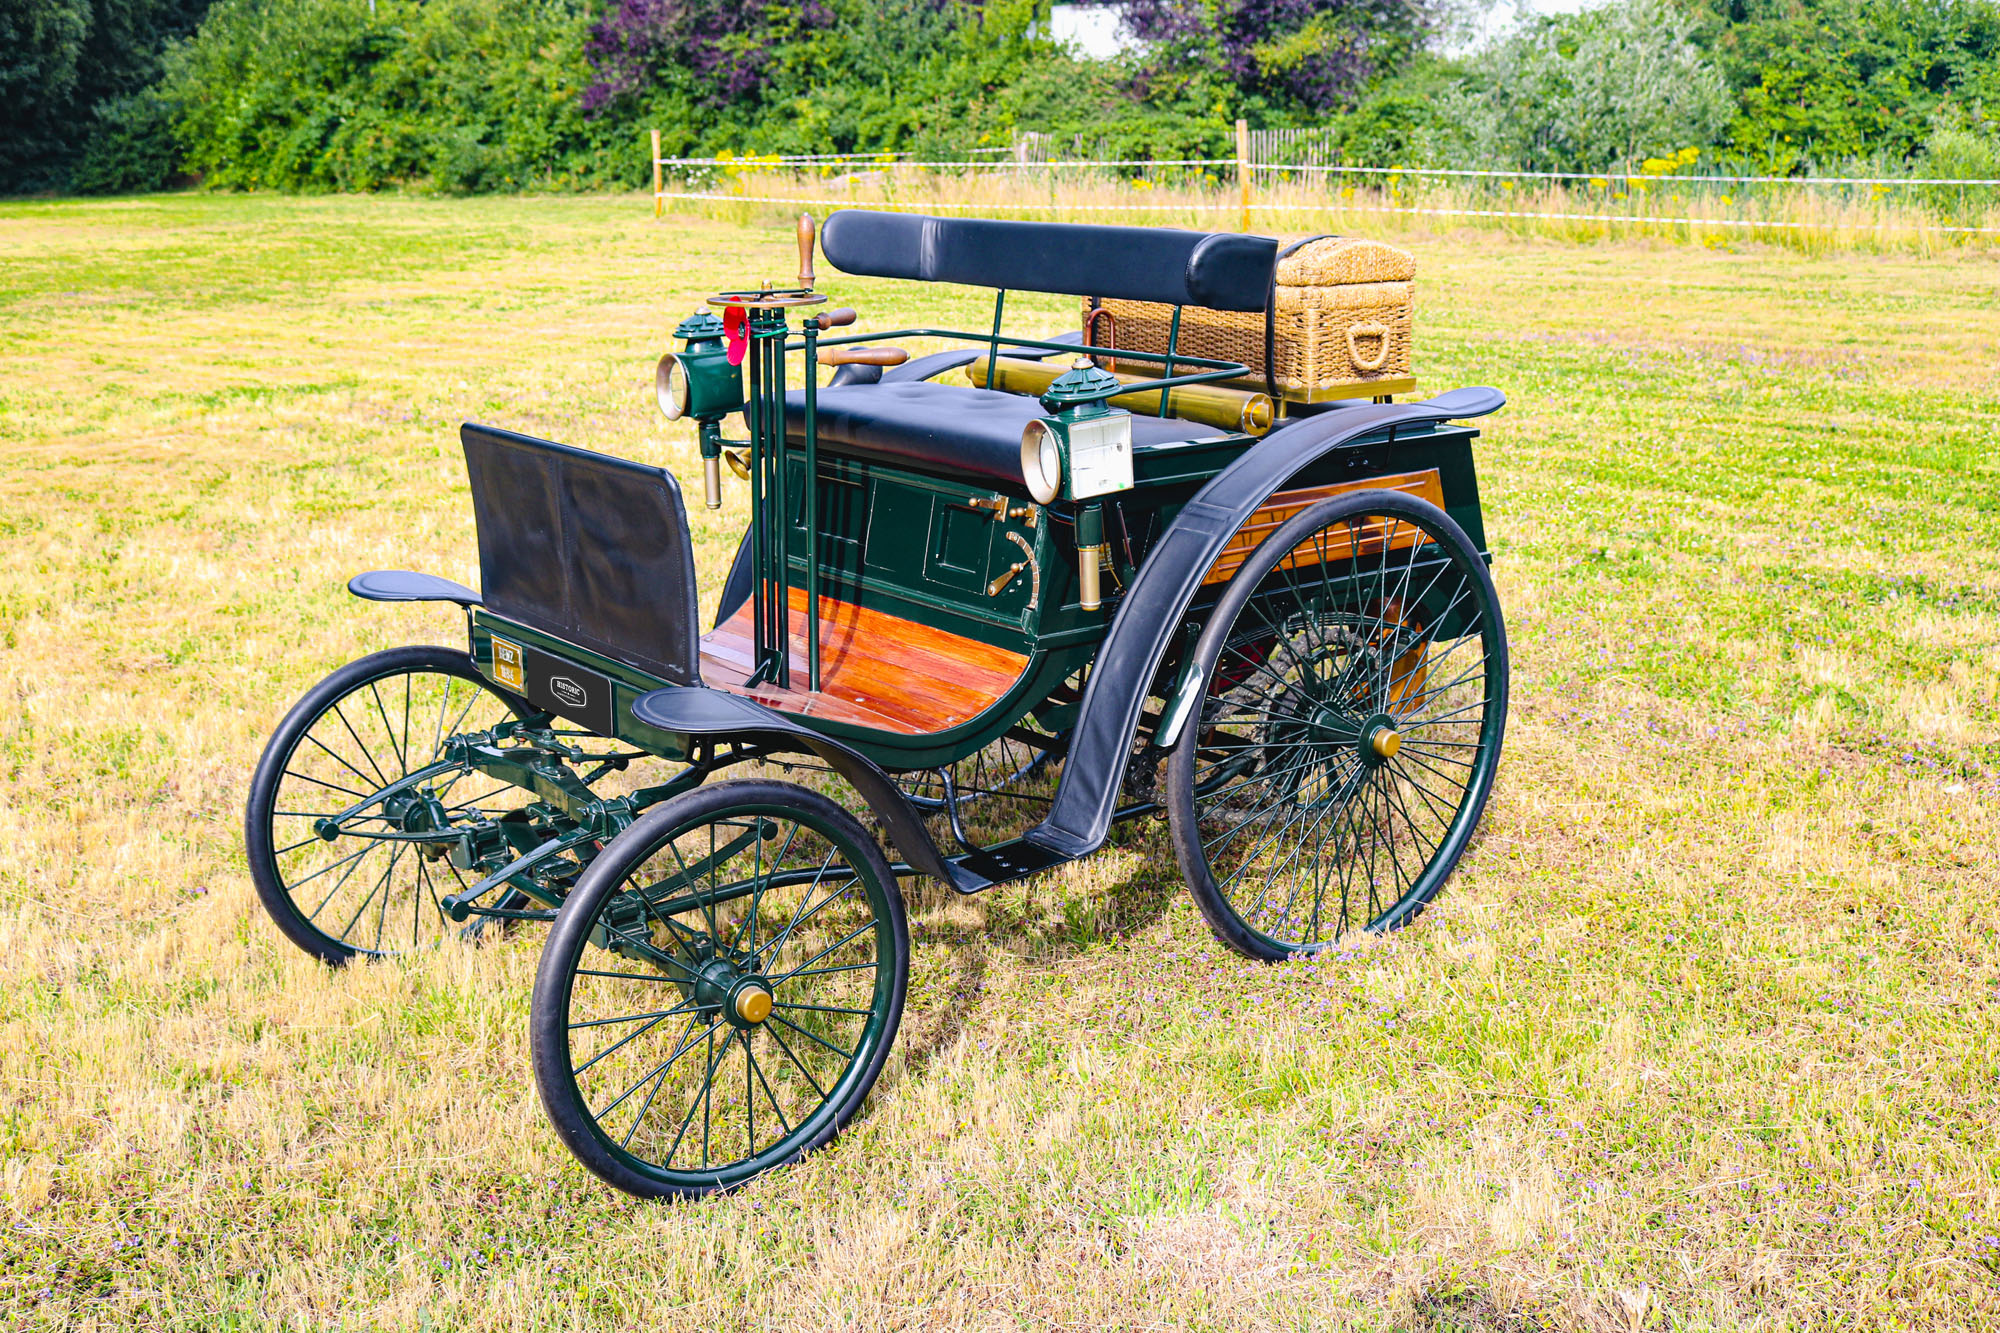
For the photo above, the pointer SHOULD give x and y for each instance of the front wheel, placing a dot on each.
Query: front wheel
(719, 993)
(1355, 674)
(341, 870)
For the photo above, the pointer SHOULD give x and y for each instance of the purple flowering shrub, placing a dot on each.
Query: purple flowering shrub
(1312, 53)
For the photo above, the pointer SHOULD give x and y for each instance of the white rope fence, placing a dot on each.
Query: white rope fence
(1245, 171)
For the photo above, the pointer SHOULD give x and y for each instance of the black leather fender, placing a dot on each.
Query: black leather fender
(698, 711)
(402, 585)
(1151, 612)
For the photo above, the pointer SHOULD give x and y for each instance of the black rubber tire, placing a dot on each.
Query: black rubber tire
(259, 810)
(563, 953)
(1179, 788)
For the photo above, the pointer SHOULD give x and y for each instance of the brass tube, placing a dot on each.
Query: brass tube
(1211, 405)
(1089, 567)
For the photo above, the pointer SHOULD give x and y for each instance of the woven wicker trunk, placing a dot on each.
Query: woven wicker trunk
(1344, 315)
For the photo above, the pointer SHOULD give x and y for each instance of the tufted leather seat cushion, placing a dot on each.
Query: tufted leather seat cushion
(951, 429)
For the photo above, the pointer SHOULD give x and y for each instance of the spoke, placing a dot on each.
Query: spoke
(627, 976)
(1424, 749)
(382, 913)
(387, 728)
(689, 1007)
(380, 779)
(639, 1117)
(444, 706)
(708, 1099)
(686, 1044)
(1311, 761)
(370, 898)
(1441, 776)
(620, 1044)
(813, 1036)
(757, 899)
(337, 884)
(867, 925)
(772, 1096)
(820, 1008)
(777, 945)
(689, 1120)
(1409, 725)
(458, 721)
(829, 971)
(786, 1047)
(330, 786)
(1429, 847)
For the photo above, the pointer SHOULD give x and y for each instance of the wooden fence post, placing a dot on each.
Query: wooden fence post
(659, 184)
(1243, 167)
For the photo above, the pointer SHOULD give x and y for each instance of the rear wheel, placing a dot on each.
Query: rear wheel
(719, 993)
(1355, 696)
(338, 887)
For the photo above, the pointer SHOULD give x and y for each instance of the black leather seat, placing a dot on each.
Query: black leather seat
(954, 430)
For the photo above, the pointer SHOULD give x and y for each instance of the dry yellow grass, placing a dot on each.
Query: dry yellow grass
(1702, 1036)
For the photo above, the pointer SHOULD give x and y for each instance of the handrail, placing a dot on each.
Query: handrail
(1222, 370)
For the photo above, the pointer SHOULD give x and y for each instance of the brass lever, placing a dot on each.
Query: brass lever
(994, 588)
(999, 505)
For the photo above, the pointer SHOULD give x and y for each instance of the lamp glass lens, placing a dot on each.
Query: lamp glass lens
(673, 388)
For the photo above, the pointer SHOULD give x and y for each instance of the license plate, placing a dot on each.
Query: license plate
(564, 688)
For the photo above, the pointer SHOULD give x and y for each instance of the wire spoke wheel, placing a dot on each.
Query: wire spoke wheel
(720, 991)
(1356, 696)
(994, 791)
(342, 881)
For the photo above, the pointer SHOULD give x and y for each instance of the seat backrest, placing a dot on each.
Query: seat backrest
(590, 548)
(1220, 270)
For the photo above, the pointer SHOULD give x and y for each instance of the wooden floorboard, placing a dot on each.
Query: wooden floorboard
(876, 670)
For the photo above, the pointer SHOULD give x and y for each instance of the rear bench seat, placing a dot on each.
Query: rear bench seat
(971, 433)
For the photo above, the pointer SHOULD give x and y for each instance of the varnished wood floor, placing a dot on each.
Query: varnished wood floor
(876, 670)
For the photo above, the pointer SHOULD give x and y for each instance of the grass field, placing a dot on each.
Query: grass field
(1705, 1034)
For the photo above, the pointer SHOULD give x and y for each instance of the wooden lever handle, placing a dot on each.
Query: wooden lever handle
(862, 356)
(806, 237)
(836, 319)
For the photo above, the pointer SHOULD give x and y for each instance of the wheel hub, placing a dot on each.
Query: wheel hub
(731, 985)
(1378, 740)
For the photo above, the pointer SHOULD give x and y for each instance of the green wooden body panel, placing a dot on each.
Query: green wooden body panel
(914, 546)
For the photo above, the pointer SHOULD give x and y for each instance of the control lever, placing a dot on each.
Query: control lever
(835, 319)
(806, 237)
(862, 356)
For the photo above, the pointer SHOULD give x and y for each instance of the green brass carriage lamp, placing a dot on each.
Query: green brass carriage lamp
(698, 381)
(1083, 448)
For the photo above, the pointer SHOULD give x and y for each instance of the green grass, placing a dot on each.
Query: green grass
(1702, 1035)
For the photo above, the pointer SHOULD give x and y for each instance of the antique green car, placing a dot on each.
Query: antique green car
(1004, 618)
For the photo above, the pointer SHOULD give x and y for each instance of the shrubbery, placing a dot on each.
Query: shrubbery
(476, 95)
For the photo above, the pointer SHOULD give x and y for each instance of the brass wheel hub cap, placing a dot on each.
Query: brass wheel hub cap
(751, 1004)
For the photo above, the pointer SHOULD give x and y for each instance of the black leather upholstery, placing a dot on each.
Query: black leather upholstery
(951, 429)
(1220, 270)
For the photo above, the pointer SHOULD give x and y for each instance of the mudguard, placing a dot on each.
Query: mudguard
(1151, 612)
(699, 711)
(403, 585)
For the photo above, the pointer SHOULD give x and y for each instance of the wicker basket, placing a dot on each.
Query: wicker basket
(1343, 316)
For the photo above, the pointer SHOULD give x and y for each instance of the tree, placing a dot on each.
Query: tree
(72, 72)
(1589, 91)
(1287, 55)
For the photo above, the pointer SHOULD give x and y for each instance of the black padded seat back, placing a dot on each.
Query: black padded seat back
(1219, 270)
(951, 430)
(590, 548)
